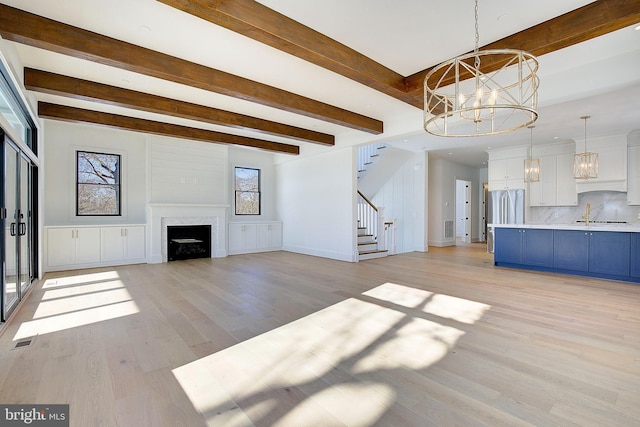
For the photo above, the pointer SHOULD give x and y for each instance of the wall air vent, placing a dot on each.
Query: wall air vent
(448, 229)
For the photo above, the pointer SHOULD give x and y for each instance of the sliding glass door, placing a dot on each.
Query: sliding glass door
(16, 214)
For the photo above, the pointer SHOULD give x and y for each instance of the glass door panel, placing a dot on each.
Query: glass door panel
(24, 225)
(10, 290)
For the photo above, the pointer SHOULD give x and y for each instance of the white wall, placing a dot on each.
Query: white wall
(264, 161)
(404, 198)
(62, 141)
(316, 201)
(187, 172)
(442, 198)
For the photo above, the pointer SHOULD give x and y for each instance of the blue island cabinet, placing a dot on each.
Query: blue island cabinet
(529, 247)
(609, 253)
(604, 254)
(635, 255)
(571, 250)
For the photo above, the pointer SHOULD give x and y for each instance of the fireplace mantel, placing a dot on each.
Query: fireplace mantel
(159, 215)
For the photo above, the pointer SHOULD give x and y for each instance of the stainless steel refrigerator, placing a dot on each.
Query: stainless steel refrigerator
(505, 207)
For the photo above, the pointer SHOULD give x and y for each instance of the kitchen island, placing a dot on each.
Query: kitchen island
(609, 251)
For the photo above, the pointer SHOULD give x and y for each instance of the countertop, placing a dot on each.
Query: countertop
(633, 227)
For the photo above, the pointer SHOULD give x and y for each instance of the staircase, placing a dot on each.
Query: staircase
(371, 230)
(367, 155)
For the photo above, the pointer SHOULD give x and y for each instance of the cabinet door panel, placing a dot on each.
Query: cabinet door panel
(571, 250)
(633, 172)
(566, 193)
(250, 237)
(112, 243)
(134, 243)
(60, 246)
(236, 242)
(609, 253)
(508, 245)
(87, 245)
(537, 247)
(635, 255)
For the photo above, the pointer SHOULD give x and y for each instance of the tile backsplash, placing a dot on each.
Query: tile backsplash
(605, 206)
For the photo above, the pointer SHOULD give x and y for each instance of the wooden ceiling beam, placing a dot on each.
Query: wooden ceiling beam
(260, 23)
(34, 30)
(114, 121)
(256, 21)
(56, 84)
(585, 23)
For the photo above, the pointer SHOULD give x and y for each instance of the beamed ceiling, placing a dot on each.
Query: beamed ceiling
(302, 77)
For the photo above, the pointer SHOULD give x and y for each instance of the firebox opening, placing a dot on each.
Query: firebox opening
(188, 242)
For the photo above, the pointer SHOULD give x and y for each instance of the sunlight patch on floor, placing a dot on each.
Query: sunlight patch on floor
(81, 302)
(334, 363)
(81, 279)
(61, 322)
(460, 309)
(81, 290)
(78, 300)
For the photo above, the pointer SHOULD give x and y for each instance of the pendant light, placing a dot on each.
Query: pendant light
(461, 98)
(585, 165)
(531, 165)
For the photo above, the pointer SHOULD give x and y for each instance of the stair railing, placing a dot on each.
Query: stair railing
(371, 218)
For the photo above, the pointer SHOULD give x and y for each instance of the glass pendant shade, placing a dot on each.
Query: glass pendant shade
(585, 165)
(531, 165)
(531, 170)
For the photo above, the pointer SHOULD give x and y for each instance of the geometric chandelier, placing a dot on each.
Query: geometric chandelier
(586, 164)
(461, 98)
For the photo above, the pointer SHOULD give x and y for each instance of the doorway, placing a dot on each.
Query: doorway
(463, 211)
(17, 220)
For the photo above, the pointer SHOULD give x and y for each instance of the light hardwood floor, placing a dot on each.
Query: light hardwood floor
(279, 339)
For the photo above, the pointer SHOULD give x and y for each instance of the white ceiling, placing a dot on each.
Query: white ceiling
(600, 77)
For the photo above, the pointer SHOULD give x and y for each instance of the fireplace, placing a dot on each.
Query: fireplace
(188, 242)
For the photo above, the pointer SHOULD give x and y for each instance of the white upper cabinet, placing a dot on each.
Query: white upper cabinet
(566, 194)
(633, 172)
(543, 192)
(506, 168)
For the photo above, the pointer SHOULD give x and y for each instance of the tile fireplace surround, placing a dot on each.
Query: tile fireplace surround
(161, 215)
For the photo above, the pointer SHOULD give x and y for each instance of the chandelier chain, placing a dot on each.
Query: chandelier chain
(475, 50)
(477, 33)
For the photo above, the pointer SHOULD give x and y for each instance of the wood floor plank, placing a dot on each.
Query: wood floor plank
(442, 338)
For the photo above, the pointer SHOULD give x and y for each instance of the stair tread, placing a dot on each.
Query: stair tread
(373, 252)
(371, 242)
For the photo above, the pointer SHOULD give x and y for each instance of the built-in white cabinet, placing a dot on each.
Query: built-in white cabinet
(506, 168)
(248, 237)
(243, 238)
(269, 236)
(82, 247)
(633, 171)
(68, 246)
(122, 243)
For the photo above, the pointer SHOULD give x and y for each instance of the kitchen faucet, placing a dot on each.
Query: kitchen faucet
(586, 215)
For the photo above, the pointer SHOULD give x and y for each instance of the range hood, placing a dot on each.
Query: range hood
(612, 151)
